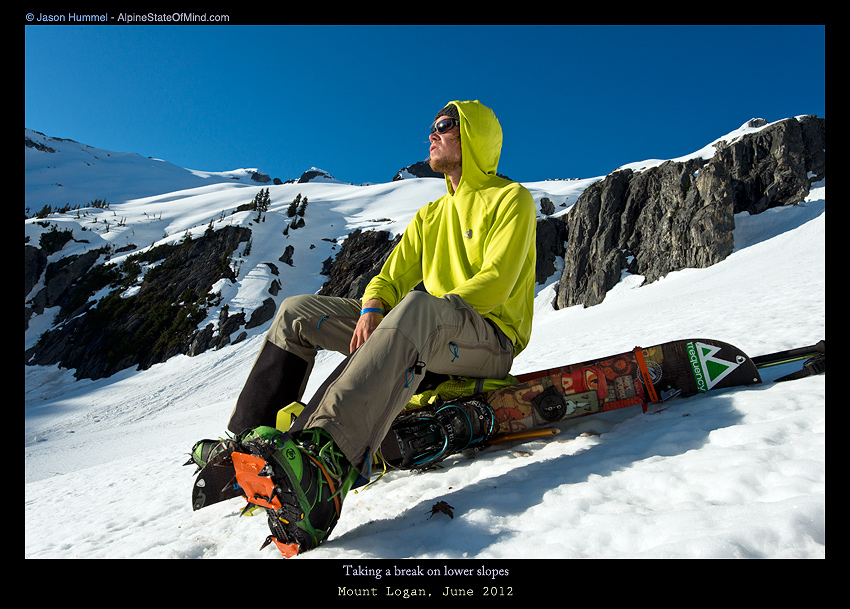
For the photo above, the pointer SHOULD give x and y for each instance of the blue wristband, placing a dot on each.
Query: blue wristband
(362, 311)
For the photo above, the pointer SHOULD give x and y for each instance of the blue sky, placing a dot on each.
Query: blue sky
(573, 101)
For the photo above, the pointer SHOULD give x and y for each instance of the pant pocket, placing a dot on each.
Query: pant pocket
(476, 359)
(474, 348)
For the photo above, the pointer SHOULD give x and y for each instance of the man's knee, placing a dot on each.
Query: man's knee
(287, 325)
(298, 305)
(308, 321)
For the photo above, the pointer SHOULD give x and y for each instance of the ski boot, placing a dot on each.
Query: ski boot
(301, 480)
(215, 477)
(205, 450)
(427, 436)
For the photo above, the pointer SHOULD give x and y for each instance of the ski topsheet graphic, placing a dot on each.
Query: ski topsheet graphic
(709, 369)
(633, 378)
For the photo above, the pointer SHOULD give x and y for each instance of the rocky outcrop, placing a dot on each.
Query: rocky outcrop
(361, 257)
(314, 174)
(35, 261)
(147, 327)
(67, 282)
(551, 236)
(260, 177)
(262, 314)
(681, 214)
(422, 169)
(772, 167)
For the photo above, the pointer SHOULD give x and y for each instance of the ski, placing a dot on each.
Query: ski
(790, 355)
(529, 407)
(633, 378)
(216, 481)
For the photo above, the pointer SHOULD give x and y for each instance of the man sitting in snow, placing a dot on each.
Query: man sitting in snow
(474, 250)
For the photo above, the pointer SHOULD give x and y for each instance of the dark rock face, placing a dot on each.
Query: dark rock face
(681, 215)
(551, 235)
(422, 169)
(772, 167)
(66, 283)
(143, 329)
(361, 257)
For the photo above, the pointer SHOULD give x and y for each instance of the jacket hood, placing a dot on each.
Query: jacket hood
(480, 143)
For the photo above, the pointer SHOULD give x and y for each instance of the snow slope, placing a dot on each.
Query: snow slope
(736, 473)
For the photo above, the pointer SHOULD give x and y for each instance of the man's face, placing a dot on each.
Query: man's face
(445, 155)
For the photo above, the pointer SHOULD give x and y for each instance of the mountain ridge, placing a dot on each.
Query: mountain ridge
(110, 251)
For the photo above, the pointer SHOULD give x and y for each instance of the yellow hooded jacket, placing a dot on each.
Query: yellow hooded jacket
(477, 242)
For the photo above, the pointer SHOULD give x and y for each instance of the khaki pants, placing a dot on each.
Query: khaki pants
(360, 399)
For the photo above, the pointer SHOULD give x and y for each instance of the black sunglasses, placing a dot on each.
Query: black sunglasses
(444, 126)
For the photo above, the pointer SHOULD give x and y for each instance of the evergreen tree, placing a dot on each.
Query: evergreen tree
(261, 203)
(293, 207)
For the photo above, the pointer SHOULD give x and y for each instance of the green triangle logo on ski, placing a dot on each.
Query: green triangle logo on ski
(708, 369)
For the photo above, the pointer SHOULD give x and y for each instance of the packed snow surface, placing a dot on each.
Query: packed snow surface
(732, 473)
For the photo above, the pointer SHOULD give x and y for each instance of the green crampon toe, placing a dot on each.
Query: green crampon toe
(204, 450)
(301, 479)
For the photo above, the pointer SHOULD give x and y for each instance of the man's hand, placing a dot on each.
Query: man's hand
(366, 324)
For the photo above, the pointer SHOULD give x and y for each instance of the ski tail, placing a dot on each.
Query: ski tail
(790, 355)
(815, 356)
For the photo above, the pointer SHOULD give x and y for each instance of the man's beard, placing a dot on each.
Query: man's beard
(444, 165)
